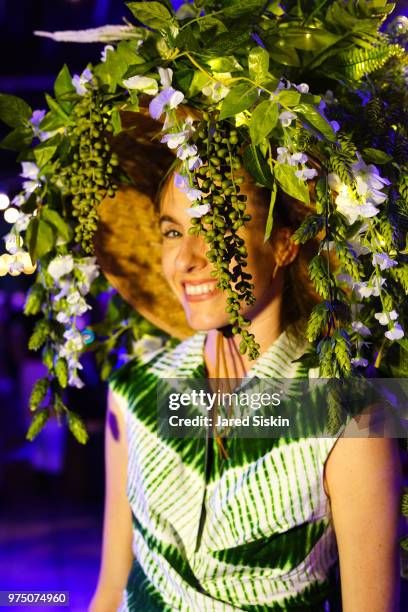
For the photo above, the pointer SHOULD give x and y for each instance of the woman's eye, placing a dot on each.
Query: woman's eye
(171, 233)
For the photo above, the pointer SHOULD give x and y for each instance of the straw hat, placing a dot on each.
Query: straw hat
(128, 241)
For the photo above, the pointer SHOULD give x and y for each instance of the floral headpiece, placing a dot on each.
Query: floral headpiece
(281, 88)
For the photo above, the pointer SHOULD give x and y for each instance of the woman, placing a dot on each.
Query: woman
(253, 525)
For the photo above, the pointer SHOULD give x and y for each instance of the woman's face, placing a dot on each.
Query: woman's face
(188, 270)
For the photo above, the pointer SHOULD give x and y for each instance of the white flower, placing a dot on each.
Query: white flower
(167, 100)
(286, 118)
(142, 83)
(216, 91)
(181, 182)
(166, 76)
(359, 361)
(63, 317)
(81, 81)
(175, 139)
(369, 174)
(30, 171)
(185, 151)
(18, 200)
(60, 266)
(74, 340)
(346, 202)
(306, 174)
(396, 333)
(298, 158)
(65, 287)
(89, 271)
(22, 222)
(13, 243)
(284, 157)
(198, 211)
(360, 328)
(303, 88)
(383, 261)
(384, 317)
(365, 289)
(104, 53)
(194, 163)
(75, 381)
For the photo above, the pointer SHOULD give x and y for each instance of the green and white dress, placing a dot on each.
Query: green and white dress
(250, 533)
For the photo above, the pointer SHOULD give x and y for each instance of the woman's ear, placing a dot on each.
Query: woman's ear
(285, 249)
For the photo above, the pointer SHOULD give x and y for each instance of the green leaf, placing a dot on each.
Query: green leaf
(63, 83)
(269, 221)
(290, 183)
(283, 54)
(116, 121)
(197, 83)
(54, 218)
(39, 392)
(312, 117)
(258, 64)
(289, 97)
(14, 111)
(241, 97)
(238, 8)
(152, 14)
(257, 166)
(45, 151)
(263, 120)
(17, 140)
(77, 427)
(37, 424)
(375, 156)
(54, 106)
(40, 238)
(224, 64)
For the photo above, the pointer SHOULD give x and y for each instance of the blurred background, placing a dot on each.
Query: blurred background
(51, 490)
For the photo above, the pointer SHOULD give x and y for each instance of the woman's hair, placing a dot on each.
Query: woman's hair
(298, 294)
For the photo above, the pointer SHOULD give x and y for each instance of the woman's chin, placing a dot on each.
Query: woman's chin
(205, 321)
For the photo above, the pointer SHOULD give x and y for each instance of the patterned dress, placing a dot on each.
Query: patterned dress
(249, 533)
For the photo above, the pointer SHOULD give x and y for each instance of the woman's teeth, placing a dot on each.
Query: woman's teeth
(199, 289)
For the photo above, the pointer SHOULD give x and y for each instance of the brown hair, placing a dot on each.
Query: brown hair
(298, 295)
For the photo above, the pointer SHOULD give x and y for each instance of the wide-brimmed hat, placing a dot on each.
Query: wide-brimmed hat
(128, 241)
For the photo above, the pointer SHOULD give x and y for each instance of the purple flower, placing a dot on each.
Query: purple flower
(167, 100)
(306, 174)
(383, 261)
(286, 118)
(80, 82)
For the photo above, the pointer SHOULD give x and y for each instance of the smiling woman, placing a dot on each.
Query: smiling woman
(228, 522)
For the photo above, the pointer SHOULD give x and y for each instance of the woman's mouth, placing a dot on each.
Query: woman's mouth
(197, 292)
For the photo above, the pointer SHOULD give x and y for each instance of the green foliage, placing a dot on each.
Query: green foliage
(40, 335)
(38, 393)
(61, 372)
(290, 183)
(318, 320)
(152, 14)
(349, 260)
(319, 275)
(400, 274)
(34, 300)
(258, 64)
(356, 63)
(37, 424)
(77, 427)
(263, 120)
(308, 229)
(239, 99)
(40, 237)
(14, 111)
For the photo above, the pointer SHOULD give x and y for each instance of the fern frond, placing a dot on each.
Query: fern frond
(355, 63)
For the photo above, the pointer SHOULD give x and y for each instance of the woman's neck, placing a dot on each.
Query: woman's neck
(221, 354)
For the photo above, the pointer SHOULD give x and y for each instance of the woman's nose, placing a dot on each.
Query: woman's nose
(191, 254)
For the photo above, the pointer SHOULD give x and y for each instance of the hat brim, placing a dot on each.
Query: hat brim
(128, 242)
